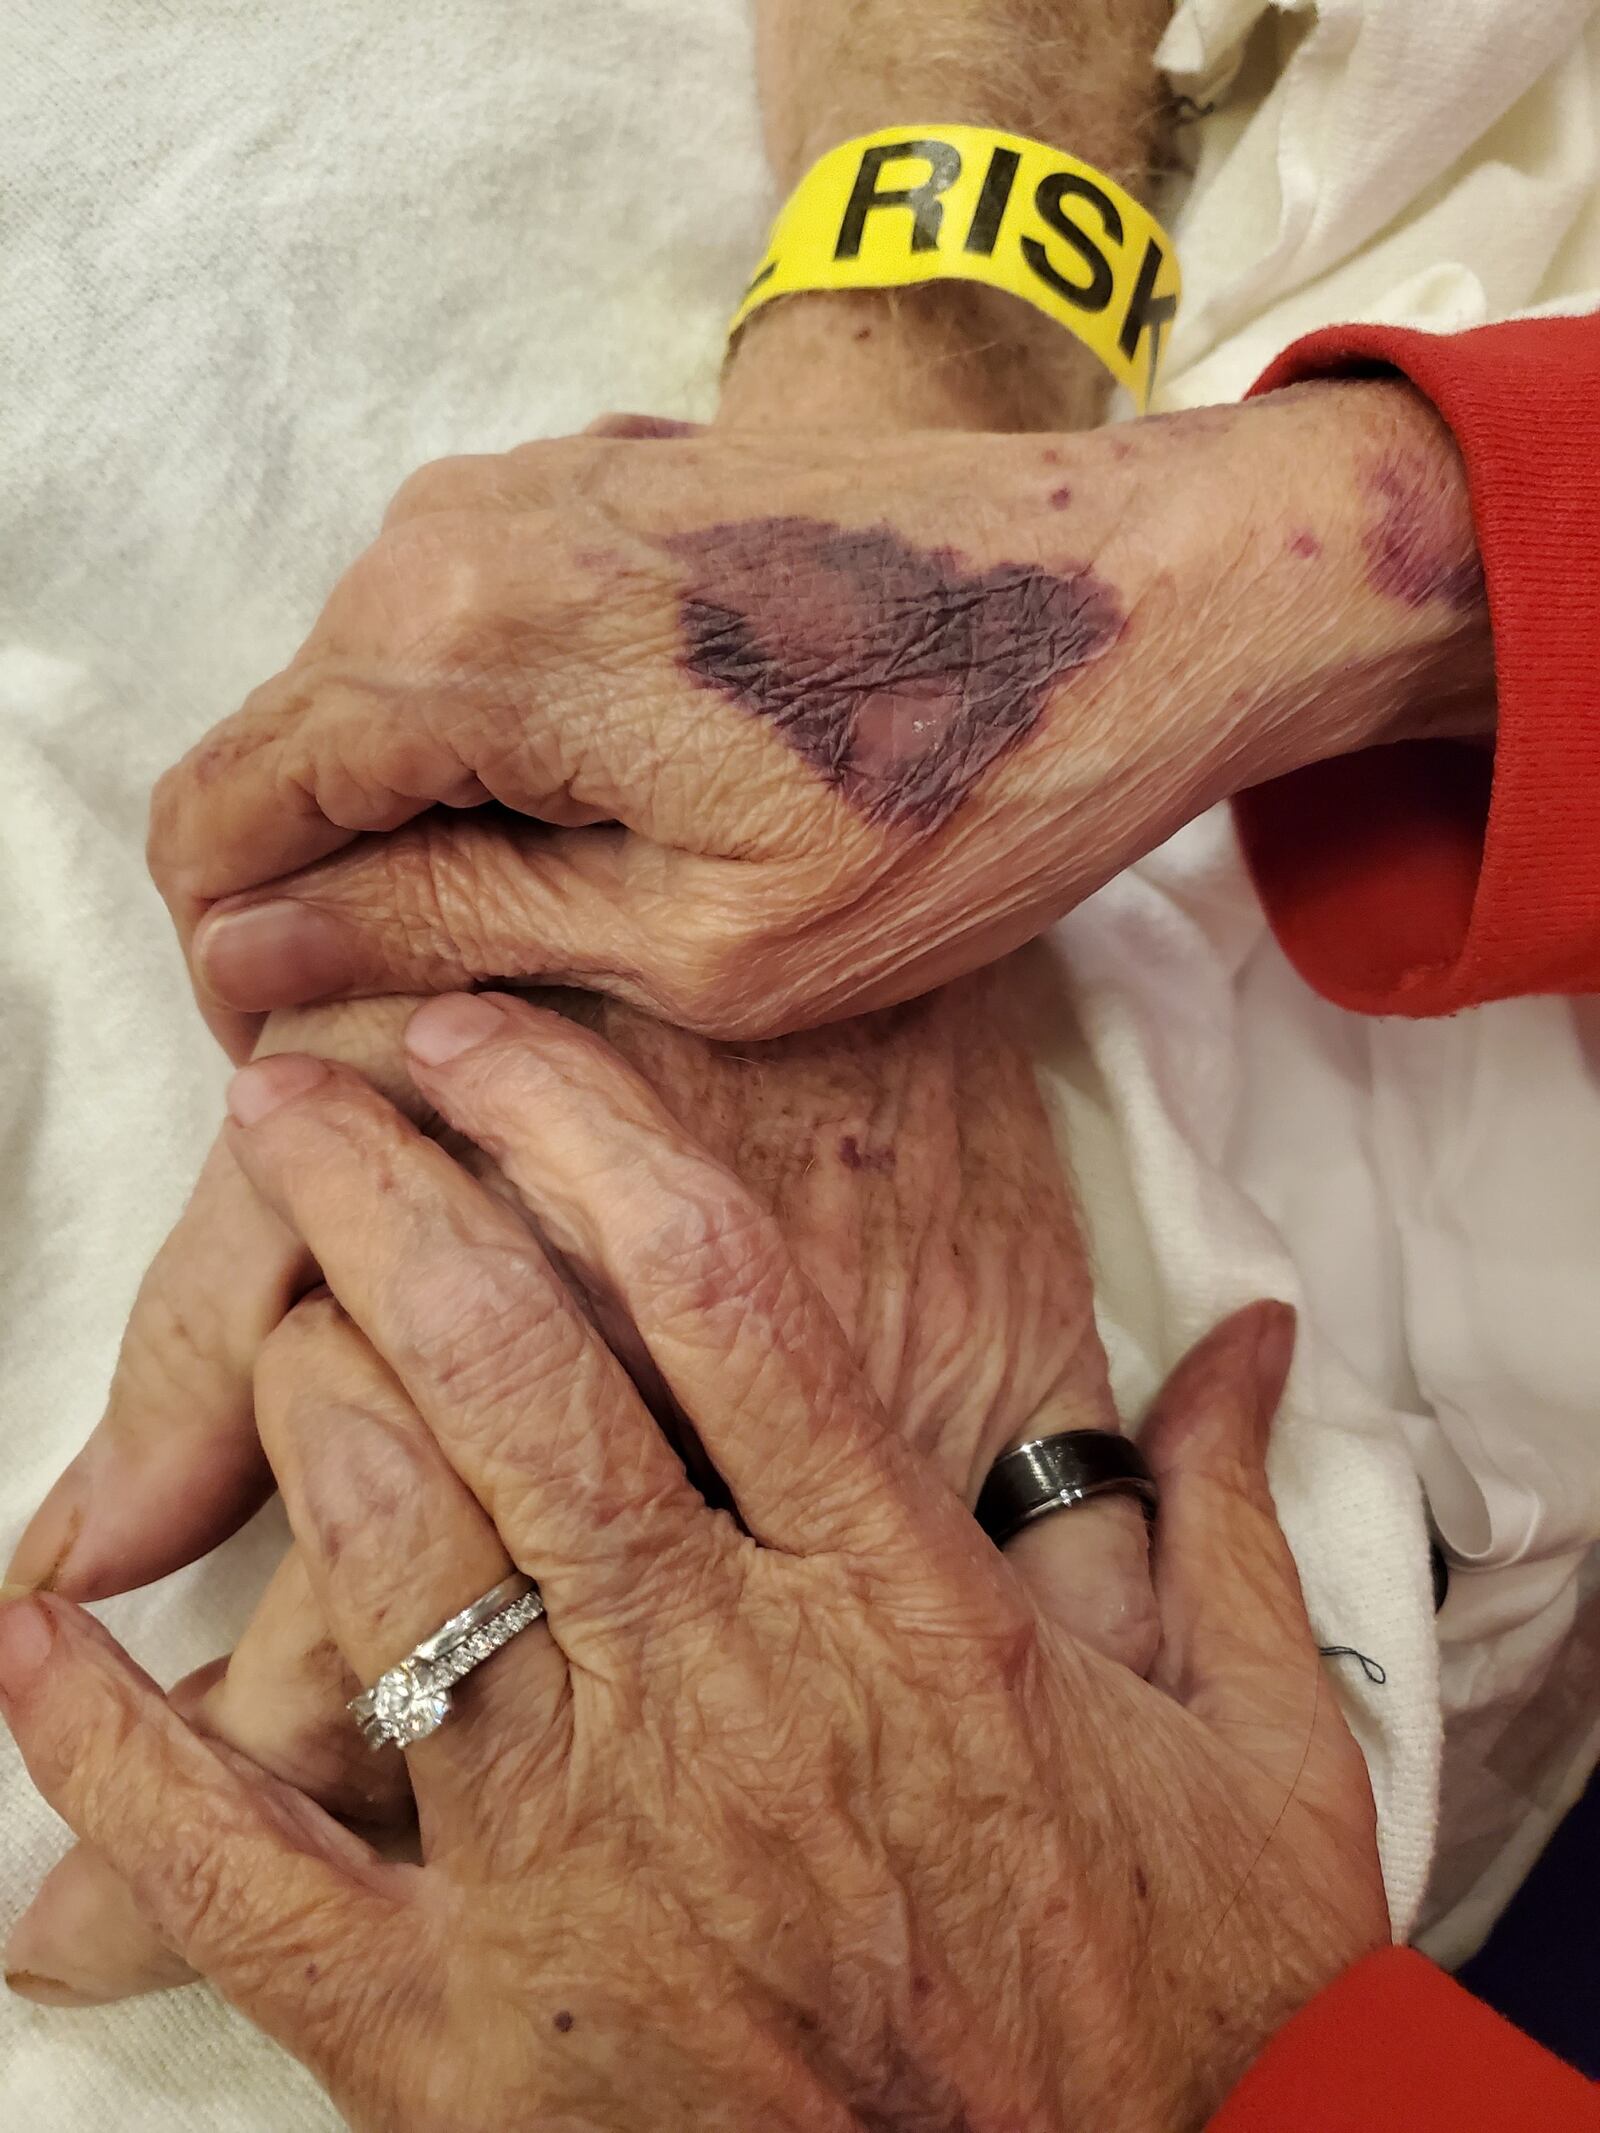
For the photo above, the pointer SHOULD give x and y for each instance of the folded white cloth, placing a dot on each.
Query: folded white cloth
(257, 264)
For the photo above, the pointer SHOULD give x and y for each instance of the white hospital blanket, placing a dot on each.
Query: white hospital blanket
(256, 263)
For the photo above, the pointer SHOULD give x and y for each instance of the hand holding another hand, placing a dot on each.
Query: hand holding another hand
(832, 1776)
(755, 733)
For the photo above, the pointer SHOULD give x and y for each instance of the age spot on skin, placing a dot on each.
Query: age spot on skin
(900, 674)
(1410, 552)
(563, 2021)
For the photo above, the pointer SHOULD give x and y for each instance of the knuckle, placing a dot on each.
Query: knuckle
(483, 1325)
(712, 1246)
(441, 485)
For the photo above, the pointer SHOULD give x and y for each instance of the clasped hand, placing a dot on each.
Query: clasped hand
(804, 1816)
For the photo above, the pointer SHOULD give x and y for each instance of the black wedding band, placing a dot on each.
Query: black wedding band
(1056, 1473)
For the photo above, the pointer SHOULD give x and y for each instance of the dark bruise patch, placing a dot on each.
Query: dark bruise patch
(1305, 544)
(1141, 1885)
(862, 333)
(1411, 554)
(898, 673)
(563, 2021)
(855, 1157)
(1061, 497)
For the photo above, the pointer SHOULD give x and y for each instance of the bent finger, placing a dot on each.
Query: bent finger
(280, 1700)
(448, 902)
(174, 1466)
(242, 1878)
(394, 1546)
(531, 1409)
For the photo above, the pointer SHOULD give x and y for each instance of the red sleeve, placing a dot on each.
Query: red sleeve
(1420, 878)
(1395, 2047)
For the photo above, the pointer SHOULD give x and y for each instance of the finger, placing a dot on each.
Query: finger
(528, 1405)
(242, 1878)
(84, 1942)
(280, 1700)
(395, 1545)
(743, 1342)
(174, 1465)
(1236, 1644)
(1088, 1570)
(446, 902)
(411, 695)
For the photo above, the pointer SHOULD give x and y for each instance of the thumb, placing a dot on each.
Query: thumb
(1237, 1647)
(451, 901)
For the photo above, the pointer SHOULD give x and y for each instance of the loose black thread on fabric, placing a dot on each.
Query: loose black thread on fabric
(1370, 1667)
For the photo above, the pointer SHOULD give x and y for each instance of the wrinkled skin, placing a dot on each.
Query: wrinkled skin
(782, 729)
(812, 1821)
(910, 1166)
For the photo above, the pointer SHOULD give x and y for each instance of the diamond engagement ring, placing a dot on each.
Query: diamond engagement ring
(412, 1699)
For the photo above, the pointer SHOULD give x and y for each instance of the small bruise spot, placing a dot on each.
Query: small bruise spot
(1413, 552)
(1060, 497)
(855, 1157)
(641, 428)
(1141, 1885)
(563, 2021)
(898, 673)
(1305, 544)
(863, 333)
(313, 1972)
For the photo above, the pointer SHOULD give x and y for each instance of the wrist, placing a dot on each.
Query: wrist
(1322, 557)
(948, 355)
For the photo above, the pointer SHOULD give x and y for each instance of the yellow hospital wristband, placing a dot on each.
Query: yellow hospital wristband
(965, 203)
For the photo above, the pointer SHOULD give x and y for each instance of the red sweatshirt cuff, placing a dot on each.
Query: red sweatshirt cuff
(1422, 878)
(1395, 2047)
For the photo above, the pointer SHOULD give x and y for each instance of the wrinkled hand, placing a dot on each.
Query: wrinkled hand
(909, 1163)
(810, 1823)
(778, 730)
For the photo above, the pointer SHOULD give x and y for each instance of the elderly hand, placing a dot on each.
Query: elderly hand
(782, 730)
(798, 1822)
(909, 1163)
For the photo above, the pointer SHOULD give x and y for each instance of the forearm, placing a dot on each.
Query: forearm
(1079, 74)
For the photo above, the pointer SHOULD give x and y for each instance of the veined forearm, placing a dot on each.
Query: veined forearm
(1077, 73)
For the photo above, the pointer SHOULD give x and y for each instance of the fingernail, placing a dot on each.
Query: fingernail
(47, 1991)
(447, 1027)
(26, 1636)
(1274, 1354)
(261, 1088)
(277, 954)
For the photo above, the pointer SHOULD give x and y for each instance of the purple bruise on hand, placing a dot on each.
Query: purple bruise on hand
(898, 673)
(1413, 552)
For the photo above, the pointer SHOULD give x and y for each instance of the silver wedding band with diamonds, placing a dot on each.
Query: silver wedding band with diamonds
(412, 1699)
